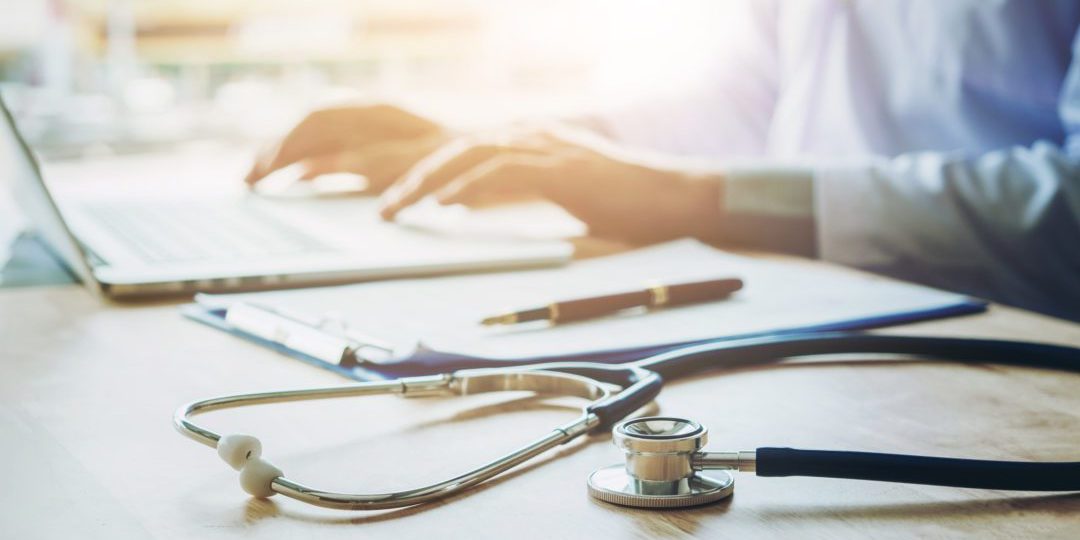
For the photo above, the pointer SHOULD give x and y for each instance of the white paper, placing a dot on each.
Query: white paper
(444, 313)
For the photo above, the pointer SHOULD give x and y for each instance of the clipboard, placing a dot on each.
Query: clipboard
(335, 328)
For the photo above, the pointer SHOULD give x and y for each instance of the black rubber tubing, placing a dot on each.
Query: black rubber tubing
(696, 359)
(639, 388)
(935, 471)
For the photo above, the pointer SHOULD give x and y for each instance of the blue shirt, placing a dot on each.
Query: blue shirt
(937, 141)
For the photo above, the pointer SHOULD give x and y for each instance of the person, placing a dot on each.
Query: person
(938, 142)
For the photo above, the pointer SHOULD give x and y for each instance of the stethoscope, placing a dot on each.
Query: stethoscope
(665, 463)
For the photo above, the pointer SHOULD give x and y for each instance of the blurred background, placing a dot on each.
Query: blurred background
(175, 90)
(93, 77)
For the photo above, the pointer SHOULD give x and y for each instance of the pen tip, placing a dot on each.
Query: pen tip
(499, 319)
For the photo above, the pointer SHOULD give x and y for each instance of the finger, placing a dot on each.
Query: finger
(259, 165)
(499, 176)
(380, 163)
(320, 165)
(321, 132)
(295, 145)
(433, 172)
(299, 143)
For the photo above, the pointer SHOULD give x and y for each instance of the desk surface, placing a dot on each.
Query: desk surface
(87, 392)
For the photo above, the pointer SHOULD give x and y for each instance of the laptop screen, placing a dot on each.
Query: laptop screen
(18, 166)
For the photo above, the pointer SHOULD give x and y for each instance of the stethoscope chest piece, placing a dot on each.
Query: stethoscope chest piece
(659, 471)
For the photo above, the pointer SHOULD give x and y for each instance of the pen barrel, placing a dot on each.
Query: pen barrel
(661, 295)
(701, 291)
(588, 308)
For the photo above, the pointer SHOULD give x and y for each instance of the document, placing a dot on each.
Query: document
(444, 313)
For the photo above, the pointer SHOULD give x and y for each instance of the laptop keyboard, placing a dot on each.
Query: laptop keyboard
(175, 232)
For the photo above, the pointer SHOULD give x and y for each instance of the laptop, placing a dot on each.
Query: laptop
(147, 245)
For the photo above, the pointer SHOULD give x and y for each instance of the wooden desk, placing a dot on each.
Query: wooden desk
(87, 392)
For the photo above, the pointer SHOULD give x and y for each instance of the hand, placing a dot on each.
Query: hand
(380, 142)
(614, 197)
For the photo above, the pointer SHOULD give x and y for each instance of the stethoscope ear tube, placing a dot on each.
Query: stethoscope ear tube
(646, 387)
(706, 357)
(967, 473)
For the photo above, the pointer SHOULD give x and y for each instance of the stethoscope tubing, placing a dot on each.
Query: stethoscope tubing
(936, 471)
(689, 361)
(648, 375)
(641, 381)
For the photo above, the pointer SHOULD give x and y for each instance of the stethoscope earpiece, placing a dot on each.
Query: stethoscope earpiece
(244, 453)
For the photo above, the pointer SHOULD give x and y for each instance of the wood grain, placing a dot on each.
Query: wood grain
(87, 391)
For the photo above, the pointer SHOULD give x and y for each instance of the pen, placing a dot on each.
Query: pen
(651, 297)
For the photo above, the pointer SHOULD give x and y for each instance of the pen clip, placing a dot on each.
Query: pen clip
(313, 339)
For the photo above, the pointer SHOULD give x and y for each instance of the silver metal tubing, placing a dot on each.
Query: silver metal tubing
(745, 461)
(379, 501)
(434, 385)
(461, 383)
(479, 381)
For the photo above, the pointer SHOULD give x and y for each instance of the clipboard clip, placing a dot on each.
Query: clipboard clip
(327, 339)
